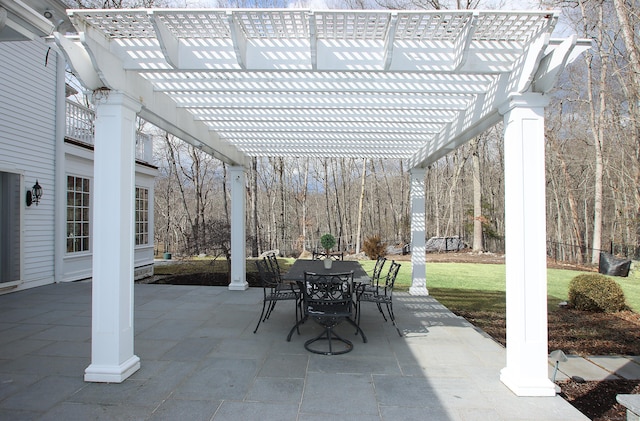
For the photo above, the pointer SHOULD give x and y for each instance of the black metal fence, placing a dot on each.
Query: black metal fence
(573, 253)
(568, 252)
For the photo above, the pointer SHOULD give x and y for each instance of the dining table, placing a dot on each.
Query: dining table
(301, 266)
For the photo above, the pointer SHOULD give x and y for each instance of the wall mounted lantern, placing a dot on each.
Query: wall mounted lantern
(34, 195)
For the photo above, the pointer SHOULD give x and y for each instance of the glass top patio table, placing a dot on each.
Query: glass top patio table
(300, 266)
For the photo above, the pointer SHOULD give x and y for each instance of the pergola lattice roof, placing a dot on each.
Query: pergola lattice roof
(376, 84)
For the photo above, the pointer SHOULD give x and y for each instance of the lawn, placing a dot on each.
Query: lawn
(489, 280)
(486, 280)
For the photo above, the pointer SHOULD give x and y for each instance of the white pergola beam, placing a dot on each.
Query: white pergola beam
(389, 41)
(169, 44)
(313, 41)
(329, 115)
(239, 127)
(239, 41)
(463, 42)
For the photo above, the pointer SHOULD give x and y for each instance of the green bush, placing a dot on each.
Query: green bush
(373, 247)
(595, 292)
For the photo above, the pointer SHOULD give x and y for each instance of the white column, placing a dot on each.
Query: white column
(60, 201)
(418, 234)
(112, 357)
(526, 373)
(238, 229)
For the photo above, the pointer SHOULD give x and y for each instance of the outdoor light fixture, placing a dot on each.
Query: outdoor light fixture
(34, 195)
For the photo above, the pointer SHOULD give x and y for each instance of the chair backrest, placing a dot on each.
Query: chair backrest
(327, 290)
(266, 275)
(391, 277)
(377, 270)
(317, 255)
(274, 267)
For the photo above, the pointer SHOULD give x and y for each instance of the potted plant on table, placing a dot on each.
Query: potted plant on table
(327, 241)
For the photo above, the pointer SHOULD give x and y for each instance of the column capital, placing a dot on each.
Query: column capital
(109, 97)
(417, 171)
(526, 100)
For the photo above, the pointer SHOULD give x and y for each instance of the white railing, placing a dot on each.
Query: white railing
(79, 123)
(80, 127)
(144, 147)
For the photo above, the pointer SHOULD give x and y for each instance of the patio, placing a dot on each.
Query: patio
(200, 360)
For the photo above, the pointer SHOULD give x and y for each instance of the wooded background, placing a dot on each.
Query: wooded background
(592, 163)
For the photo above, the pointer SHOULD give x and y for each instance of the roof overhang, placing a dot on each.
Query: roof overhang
(367, 84)
(31, 19)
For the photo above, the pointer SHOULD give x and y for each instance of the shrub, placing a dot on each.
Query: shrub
(595, 292)
(373, 247)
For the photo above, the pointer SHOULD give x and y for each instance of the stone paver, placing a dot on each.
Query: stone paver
(621, 366)
(585, 369)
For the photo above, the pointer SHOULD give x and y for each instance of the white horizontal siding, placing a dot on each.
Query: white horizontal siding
(28, 142)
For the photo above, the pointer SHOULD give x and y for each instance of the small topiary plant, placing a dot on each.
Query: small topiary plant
(373, 247)
(327, 241)
(595, 292)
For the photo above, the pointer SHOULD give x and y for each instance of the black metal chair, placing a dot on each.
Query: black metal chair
(328, 300)
(375, 282)
(274, 266)
(275, 290)
(375, 276)
(380, 294)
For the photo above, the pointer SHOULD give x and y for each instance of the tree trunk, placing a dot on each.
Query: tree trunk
(598, 140)
(254, 206)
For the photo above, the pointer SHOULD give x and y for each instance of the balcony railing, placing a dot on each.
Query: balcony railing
(79, 124)
(80, 127)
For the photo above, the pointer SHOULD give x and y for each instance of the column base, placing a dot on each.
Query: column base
(238, 286)
(522, 386)
(112, 373)
(422, 290)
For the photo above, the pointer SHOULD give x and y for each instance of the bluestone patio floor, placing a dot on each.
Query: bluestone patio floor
(200, 360)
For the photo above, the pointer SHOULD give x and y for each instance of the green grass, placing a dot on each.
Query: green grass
(483, 285)
(470, 285)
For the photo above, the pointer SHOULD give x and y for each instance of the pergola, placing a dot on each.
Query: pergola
(239, 83)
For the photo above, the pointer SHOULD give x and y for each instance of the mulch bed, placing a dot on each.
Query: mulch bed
(583, 333)
(597, 400)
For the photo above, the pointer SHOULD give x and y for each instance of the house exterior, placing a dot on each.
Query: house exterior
(47, 139)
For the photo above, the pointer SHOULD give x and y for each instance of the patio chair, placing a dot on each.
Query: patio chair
(380, 294)
(274, 266)
(317, 255)
(375, 276)
(328, 300)
(275, 290)
(375, 281)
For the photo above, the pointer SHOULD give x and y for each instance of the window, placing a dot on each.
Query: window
(142, 216)
(77, 214)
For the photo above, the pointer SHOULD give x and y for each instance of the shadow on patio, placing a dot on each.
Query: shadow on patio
(201, 361)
